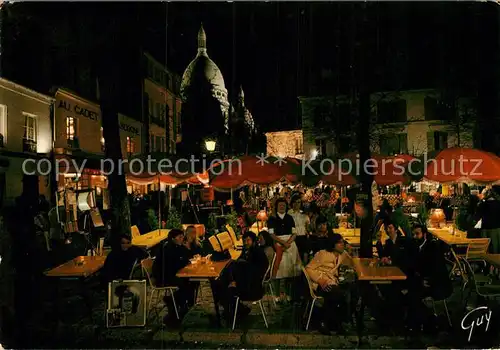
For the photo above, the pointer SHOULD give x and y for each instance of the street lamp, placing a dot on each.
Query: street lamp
(210, 145)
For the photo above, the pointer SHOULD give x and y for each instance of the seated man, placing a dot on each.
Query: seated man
(430, 266)
(431, 277)
(173, 257)
(244, 277)
(323, 270)
(120, 261)
(397, 250)
(319, 239)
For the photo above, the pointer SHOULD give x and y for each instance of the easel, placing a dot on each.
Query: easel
(91, 216)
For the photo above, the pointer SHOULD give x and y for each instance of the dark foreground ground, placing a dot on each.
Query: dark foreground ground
(198, 328)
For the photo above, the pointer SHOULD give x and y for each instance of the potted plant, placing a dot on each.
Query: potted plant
(152, 219)
(173, 219)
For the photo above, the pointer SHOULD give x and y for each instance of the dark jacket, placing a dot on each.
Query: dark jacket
(168, 262)
(488, 211)
(281, 226)
(195, 249)
(119, 263)
(431, 266)
(402, 253)
(248, 272)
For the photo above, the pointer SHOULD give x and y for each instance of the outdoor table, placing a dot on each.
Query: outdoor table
(369, 273)
(150, 239)
(211, 272)
(79, 269)
(348, 232)
(443, 234)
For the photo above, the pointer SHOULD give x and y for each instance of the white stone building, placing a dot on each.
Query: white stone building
(285, 144)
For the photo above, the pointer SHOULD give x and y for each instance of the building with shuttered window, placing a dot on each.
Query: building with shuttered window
(410, 122)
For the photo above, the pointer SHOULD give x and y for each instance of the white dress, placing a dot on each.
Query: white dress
(290, 262)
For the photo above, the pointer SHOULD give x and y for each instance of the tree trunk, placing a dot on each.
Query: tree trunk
(109, 79)
(363, 140)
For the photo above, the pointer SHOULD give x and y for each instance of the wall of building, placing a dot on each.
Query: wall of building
(415, 126)
(17, 101)
(162, 87)
(133, 129)
(88, 116)
(285, 144)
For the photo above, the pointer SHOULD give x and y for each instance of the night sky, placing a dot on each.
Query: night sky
(278, 51)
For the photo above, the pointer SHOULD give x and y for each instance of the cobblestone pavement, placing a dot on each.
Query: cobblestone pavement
(199, 330)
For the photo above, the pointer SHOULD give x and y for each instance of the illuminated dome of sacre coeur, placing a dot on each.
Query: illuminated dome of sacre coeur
(202, 67)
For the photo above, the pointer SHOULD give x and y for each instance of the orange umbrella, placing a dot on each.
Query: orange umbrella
(248, 170)
(463, 165)
(335, 177)
(386, 170)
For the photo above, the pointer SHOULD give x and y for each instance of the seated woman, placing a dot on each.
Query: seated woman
(121, 260)
(173, 257)
(323, 270)
(191, 242)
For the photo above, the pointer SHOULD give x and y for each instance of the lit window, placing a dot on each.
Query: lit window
(3, 123)
(102, 138)
(29, 139)
(130, 145)
(70, 128)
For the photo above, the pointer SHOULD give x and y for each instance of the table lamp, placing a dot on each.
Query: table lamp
(262, 217)
(229, 202)
(437, 216)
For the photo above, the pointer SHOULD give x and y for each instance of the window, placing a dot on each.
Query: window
(102, 139)
(160, 114)
(391, 111)
(130, 145)
(179, 123)
(29, 139)
(321, 147)
(151, 142)
(70, 128)
(430, 108)
(159, 145)
(440, 140)
(151, 108)
(167, 81)
(392, 144)
(150, 69)
(3, 125)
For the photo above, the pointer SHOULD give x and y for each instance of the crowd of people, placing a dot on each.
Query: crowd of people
(295, 237)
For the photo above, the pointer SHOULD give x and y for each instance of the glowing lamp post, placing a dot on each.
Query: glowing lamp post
(210, 145)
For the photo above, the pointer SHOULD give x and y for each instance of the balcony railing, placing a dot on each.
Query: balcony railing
(29, 146)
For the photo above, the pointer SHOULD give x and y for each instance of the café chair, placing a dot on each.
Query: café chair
(268, 281)
(214, 242)
(313, 296)
(134, 230)
(486, 291)
(232, 234)
(147, 268)
(256, 298)
(477, 249)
